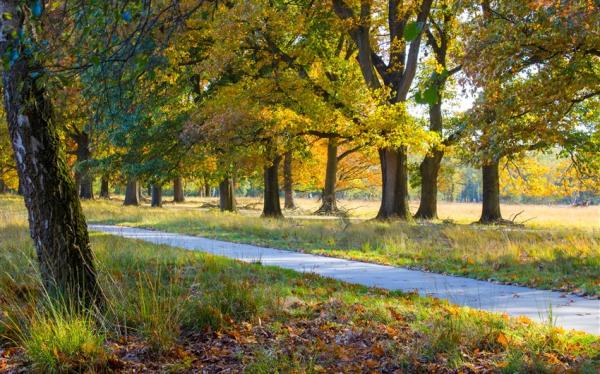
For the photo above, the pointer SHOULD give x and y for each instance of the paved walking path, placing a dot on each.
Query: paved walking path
(571, 312)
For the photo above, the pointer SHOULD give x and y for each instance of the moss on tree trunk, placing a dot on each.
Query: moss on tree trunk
(56, 222)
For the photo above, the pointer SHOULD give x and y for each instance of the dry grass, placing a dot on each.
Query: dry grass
(549, 256)
(536, 216)
(171, 310)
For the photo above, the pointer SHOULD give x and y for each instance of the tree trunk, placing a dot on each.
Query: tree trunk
(430, 168)
(3, 186)
(86, 190)
(156, 196)
(394, 174)
(206, 188)
(56, 221)
(288, 182)
(271, 206)
(227, 195)
(83, 176)
(490, 212)
(329, 204)
(132, 196)
(104, 189)
(178, 196)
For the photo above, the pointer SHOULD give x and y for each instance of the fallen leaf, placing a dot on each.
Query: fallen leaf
(502, 339)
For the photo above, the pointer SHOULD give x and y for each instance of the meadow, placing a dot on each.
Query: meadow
(558, 250)
(170, 310)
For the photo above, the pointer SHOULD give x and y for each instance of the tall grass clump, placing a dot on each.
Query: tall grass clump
(60, 342)
(158, 312)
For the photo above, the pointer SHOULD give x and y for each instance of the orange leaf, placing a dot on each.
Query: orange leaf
(502, 339)
(377, 350)
(552, 359)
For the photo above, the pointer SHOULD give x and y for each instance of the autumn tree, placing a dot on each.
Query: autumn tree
(441, 38)
(38, 43)
(388, 63)
(538, 62)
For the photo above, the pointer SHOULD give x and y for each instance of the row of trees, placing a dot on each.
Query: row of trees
(219, 90)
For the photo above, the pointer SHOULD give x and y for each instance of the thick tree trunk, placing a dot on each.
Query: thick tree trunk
(490, 212)
(56, 221)
(429, 169)
(394, 173)
(178, 196)
(86, 190)
(288, 181)
(156, 196)
(104, 188)
(206, 189)
(271, 206)
(3, 186)
(83, 176)
(227, 195)
(329, 203)
(132, 193)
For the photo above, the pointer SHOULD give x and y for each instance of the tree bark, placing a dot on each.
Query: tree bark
(429, 169)
(288, 181)
(56, 221)
(490, 212)
(394, 174)
(83, 176)
(271, 206)
(227, 195)
(3, 186)
(156, 196)
(104, 188)
(132, 196)
(178, 195)
(329, 203)
(206, 189)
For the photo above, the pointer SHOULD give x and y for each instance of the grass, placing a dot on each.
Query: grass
(60, 342)
(171, 310)
(548, 257)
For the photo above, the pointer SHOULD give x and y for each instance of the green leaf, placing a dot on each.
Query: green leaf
(412, 31)
(419, 98)
(431, 96)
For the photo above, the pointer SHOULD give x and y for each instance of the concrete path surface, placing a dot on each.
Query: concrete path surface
(568, 311)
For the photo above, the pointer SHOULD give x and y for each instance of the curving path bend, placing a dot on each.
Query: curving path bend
(568, 311)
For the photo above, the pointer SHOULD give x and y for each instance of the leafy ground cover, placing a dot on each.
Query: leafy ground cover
(171, 310)
(558, 258)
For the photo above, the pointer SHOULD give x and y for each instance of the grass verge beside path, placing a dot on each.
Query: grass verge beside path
(559, 259)
(172, 310)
